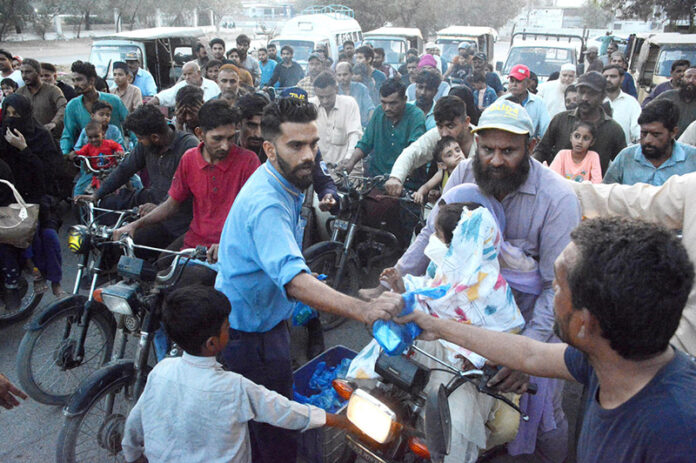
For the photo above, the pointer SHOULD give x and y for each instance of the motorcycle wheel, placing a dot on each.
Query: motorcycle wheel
(30, 300)
(327, 263)
(96, 434)
(42, 353)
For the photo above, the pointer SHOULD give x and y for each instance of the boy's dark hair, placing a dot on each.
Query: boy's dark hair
(189, 95)
(623, 269)
(99, 104)
(94, 125)
(33, 63)
(448, 216)
(9, 83)
(211, 63)
(263, 49)
(288, 48)
(660, 110)
(412, 51)
(49, 67)
(391, 86)
(620, 69)
(230, 51)
(86, 69)
(440, 146)
(325, 79)
(193, 314)
(216, 113)
(271, 45)
(197, 47)
(242, 39)
(412, 59)
(6, 54)
(378, 51)
(680, 62)
(285, 110)
(588, 125)
(477, 77)
(430, 78)
(367, 52)
(251, 105)
(146, 120)
(348, 42)
(570, 89)
(449, 108)
(217, 41)
(342, 57)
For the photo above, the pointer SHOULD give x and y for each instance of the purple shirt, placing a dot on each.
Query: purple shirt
(538, 219)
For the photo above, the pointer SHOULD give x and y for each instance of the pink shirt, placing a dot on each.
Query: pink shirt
(589, 169)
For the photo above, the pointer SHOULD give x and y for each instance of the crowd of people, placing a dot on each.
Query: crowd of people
(228, 157)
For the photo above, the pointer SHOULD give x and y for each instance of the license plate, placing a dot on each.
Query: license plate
(362, 451)
(341, 224)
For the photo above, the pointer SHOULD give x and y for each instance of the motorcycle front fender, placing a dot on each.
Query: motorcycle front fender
(60, 305)
(96, 383)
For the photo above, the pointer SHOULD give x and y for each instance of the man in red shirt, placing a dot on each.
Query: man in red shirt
(212, 173)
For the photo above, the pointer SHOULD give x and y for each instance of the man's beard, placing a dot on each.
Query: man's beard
(501, 186)
(424, 104)
(291, 176)
(688, 92)
(651, 152)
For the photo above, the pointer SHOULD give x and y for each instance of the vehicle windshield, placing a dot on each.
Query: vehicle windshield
(101, 55)
(450, 48)
(302, 48)
(394, 49)
(669, 55)
(543, 61)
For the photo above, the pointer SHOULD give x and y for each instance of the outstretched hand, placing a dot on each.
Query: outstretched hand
(425, 321)
(8, 391)
(386, 307)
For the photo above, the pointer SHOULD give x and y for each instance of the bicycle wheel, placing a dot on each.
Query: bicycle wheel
(42, 360)
(96, 434)
(30, 299)
(327, 263)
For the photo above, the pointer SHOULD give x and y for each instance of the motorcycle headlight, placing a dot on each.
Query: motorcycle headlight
(371, 416)
(118, 298)
(78, 239)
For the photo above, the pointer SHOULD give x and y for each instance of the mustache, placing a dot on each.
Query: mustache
(304, 165)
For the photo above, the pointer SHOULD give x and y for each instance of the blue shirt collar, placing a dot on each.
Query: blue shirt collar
(678, 155)
(282, 181)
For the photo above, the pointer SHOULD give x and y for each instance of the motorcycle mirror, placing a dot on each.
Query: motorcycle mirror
(438, 424)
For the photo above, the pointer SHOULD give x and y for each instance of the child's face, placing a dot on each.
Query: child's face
(581, 139)
(220, 341)
(441, 235)
(95, 137)
(479, 85)
(7, 90)
(451, 157)
(103, 116)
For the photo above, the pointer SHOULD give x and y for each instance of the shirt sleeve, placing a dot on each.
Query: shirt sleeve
(167, 97)
(59, 102)
(545, 149)
(577, 364)
(279, 254)
(81, 140)
(270, 407)
(70, 128)
(84, 151)
(689, 135)
(133, 442)
(113, 145)
(613, 174)
(179, 190)
(128, 167)
(367, 142)
(149, 84)
(543, 119)
(415, 155)
(557, 163)
(595, 168)
(417, 127)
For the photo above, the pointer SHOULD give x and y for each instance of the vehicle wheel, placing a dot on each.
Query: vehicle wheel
(30, 299)
(42, 355)
(327, 263)
(96, 434)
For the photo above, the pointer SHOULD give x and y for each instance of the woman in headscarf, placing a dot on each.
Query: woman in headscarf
(30, 152)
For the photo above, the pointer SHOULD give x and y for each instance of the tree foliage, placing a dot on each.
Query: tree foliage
(672, 10)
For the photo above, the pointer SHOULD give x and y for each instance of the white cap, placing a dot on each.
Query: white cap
(430, 45)
(568, 67)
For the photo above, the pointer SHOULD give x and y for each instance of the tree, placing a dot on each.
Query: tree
(672, 10)
(594, 16)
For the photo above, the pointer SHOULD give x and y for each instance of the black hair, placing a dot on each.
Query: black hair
(343, 57)
(467, 96)
(285, 110)
(660, 110)
(86, 69)
(476, 77)
(449, 108)
(412, 59)
(554, 76)
(263, 49)
(211, 63)
(217, 41)
(49, 67)
(9, 83)
(146, 120)
(391, 86)
(570, 89)
(440, 146)
(99, 104)
(6, 53)
(325, 79)
(216, 113)
(588, 125)
(198, 46)
(271, 45)
(251, 105)
(412, 51)
(448, 216)
(367, 52)
(634, 278)
(378, 51)
(189, 95)
(33, 63)
(533, 76)
(230, 51)
(243, 38)
(430, 78)
(680, 62)
(348, 42)
(193, 314)
(619, 69)
(94, 125)
(288, 48)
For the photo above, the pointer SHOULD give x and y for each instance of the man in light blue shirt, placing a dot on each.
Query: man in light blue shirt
(534, 105)
(346, 86)
(263, 273)
(266, 65)
(659, 155)
(143, 79)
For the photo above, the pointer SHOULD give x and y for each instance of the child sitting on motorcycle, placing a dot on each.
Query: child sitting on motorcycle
(194, 411)
(448, 154)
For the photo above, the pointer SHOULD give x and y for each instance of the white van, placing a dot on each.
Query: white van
(328, 26)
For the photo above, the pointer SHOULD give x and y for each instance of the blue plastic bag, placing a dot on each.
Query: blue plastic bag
(395, 338)
(321, 381)
(302, 313)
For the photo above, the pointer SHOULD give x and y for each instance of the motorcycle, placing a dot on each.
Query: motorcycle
(354, 248)
(398, 421)
(96, 414)
(30, 299)
(73, 336)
